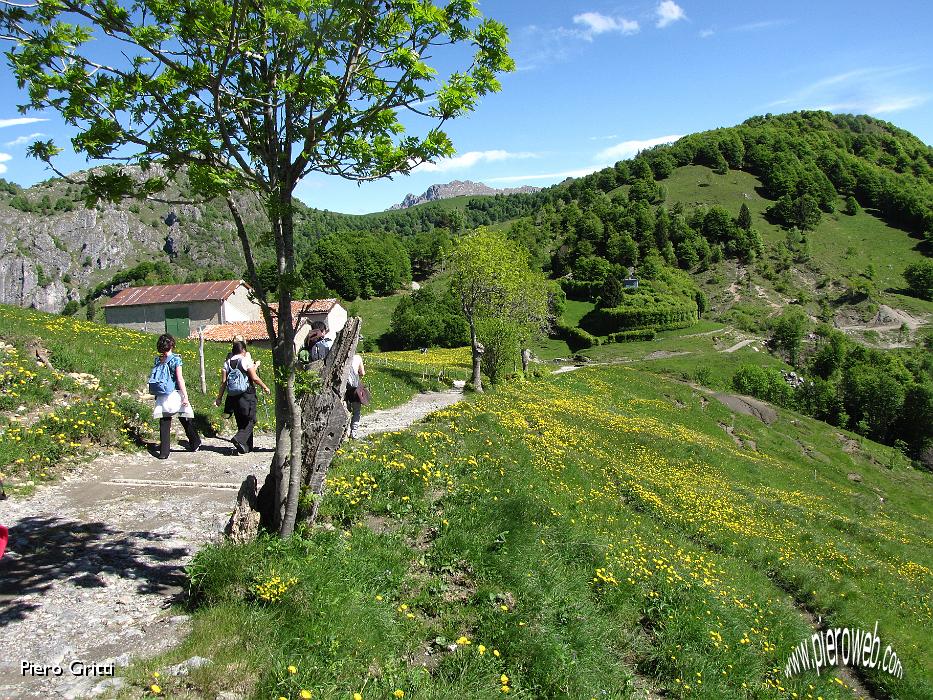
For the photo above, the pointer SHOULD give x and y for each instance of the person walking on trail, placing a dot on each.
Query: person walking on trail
(317, 342)
(239, 381)
(356, 393)
(167, 383)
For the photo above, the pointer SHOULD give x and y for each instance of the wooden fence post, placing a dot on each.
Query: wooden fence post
(201, 358)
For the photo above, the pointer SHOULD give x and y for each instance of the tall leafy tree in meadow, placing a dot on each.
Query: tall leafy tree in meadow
(919, 276)
(253, 96)
(491, 277)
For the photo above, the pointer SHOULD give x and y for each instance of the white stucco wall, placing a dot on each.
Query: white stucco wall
(239, 307)
(336, 320)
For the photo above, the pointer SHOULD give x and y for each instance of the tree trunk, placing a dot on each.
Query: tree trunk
(325, 415)
(324, 418)
(477, 350)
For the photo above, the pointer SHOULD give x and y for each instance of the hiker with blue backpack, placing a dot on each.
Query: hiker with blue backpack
(167, 384)
(239, 381)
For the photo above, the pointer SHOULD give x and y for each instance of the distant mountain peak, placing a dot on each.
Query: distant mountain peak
(457, 188)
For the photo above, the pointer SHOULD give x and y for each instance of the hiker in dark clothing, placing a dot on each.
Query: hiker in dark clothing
(239, 381)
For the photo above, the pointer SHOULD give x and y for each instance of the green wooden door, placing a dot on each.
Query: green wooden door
(176, 321)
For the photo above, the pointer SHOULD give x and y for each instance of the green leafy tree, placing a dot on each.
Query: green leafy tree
(491, 278)
(253, 96)
(788, 331)
(919, 276)
(745, 217)
(426, 319)
(610, 296)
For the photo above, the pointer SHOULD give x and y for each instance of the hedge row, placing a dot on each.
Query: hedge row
(581, 290)
(661, 315)
(630, 336)
(578, 339)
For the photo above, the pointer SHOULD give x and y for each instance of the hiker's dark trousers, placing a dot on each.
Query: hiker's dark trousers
(244, 411)
(165, 434)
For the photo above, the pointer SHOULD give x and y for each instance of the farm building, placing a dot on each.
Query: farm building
(180, 309)
(304, 313)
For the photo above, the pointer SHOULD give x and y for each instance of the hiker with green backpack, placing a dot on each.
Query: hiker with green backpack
(239, 381)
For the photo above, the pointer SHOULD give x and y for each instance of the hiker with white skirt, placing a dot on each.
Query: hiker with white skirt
(167, 384)
(239, 381)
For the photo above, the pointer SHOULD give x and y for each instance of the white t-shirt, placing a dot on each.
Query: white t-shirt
(246, 362)
(356, 368)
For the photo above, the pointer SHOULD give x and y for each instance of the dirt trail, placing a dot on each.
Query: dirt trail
(95, 562)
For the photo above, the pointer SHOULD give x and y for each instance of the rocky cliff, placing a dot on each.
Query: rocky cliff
(457, 188)
(53, 248)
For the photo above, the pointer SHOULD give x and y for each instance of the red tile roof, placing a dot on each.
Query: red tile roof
(256, 330)
(248, 330)
(305, 306)
(175, 293)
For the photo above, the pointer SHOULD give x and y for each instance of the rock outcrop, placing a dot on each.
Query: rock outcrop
(458, 188)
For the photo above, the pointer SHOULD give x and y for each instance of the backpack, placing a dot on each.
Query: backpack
(237, 381)
(161, 379)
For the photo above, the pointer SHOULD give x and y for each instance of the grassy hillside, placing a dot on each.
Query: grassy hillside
(841, 246)
(599, 534)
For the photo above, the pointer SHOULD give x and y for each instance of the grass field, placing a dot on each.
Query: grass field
(593, 535)
(376, 313)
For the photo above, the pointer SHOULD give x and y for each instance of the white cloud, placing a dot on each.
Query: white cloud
(595, 23)
(608, 137)
(20, 121)
(669, 12)
(874, 90)
(471, 158)
(883, 105)
(20, 140)
(627, 149)
(757, 26)
(4, 157)
(580, 172)
(706, 33)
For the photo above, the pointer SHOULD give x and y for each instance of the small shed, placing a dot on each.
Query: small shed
(180, 309)
(304, 313)
(630, 282)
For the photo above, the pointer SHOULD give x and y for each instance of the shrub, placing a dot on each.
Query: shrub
(766, 383)
(919, 276)
(426, 319)
(576, 338)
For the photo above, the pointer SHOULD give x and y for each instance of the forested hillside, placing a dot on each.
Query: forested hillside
(806, 170)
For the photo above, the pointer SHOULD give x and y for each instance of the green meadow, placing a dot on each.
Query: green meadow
(596, 534)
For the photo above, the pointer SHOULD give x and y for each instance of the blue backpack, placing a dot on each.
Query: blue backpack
(237, 381)
(162, 379)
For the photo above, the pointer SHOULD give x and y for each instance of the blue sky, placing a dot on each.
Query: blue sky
(597, 81)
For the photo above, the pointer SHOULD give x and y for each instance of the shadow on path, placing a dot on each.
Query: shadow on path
(43, 550)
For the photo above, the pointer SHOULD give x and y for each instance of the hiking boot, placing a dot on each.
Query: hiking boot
(240, 447)
(195, 447)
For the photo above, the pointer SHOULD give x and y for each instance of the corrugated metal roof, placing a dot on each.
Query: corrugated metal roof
(175, 293)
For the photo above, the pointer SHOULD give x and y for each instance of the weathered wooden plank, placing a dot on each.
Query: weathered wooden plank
(324, 414)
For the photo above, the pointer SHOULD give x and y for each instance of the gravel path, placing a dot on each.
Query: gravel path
(400, 417)
(95, 561)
